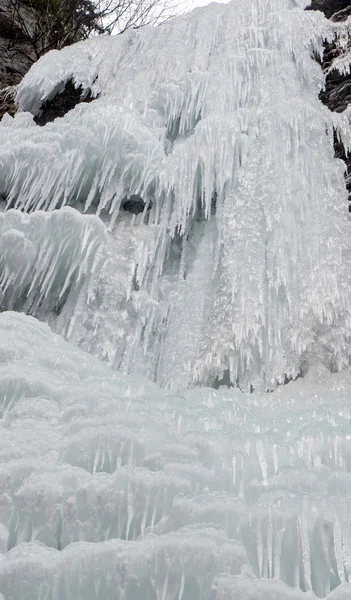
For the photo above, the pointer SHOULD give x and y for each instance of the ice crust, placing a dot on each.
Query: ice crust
(239, 265)
(111, 488)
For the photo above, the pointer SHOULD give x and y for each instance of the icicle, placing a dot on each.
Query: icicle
(278, 543)
(234, 470)
(130, 508)
(338, 550)
(269, 545)
(262, 461)
(346, 550)
(275, 459)
(305, 547)
(259, 547)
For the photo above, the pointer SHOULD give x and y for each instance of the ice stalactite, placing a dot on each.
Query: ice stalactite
(236, 263)
(214, 249)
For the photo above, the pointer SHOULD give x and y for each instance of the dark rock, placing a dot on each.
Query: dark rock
(16, 54)
(337, 96)
(62, 103)
(224, 380)
(337, 93)
(134, 204)
(337, 10)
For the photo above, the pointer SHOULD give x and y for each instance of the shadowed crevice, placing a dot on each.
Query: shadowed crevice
(62, 103)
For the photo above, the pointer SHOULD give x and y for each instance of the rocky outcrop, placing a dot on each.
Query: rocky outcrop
(337, 10)
(19, 31)
(16, 53)
(337, 92)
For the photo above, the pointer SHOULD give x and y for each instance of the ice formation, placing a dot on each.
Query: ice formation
(188, 226)
(213, 123)
(47, 257)
(112, 489)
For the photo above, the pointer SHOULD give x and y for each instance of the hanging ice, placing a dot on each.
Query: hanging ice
(216, 249)
(238, 264)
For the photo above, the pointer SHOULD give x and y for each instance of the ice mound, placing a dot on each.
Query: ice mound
(236, 266)
(46, 257)
(111, 488)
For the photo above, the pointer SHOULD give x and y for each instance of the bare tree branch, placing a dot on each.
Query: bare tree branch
(42, 25)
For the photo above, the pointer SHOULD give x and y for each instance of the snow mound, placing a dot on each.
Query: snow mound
(239, 261)
(112, 488)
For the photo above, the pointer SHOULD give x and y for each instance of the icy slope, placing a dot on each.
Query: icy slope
(111, 489)
(238, 264)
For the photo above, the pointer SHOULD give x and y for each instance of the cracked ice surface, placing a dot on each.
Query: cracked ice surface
(111, 488)
(214, 121)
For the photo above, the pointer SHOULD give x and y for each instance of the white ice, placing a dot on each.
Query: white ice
(119, 478)
(46, 257)
(111, 488)
(239, 264)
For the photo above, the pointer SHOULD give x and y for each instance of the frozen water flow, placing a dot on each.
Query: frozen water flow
(221, 139)
(214, 249)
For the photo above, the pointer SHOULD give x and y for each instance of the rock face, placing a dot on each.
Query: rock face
(16, 54)
(337, 92)
(337, 10)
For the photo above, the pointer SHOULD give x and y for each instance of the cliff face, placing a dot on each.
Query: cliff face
(337, 92)
(337, 10)
(16, 54)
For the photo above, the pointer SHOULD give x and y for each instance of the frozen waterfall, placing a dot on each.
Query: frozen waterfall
(214, 125)
(170, 252)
